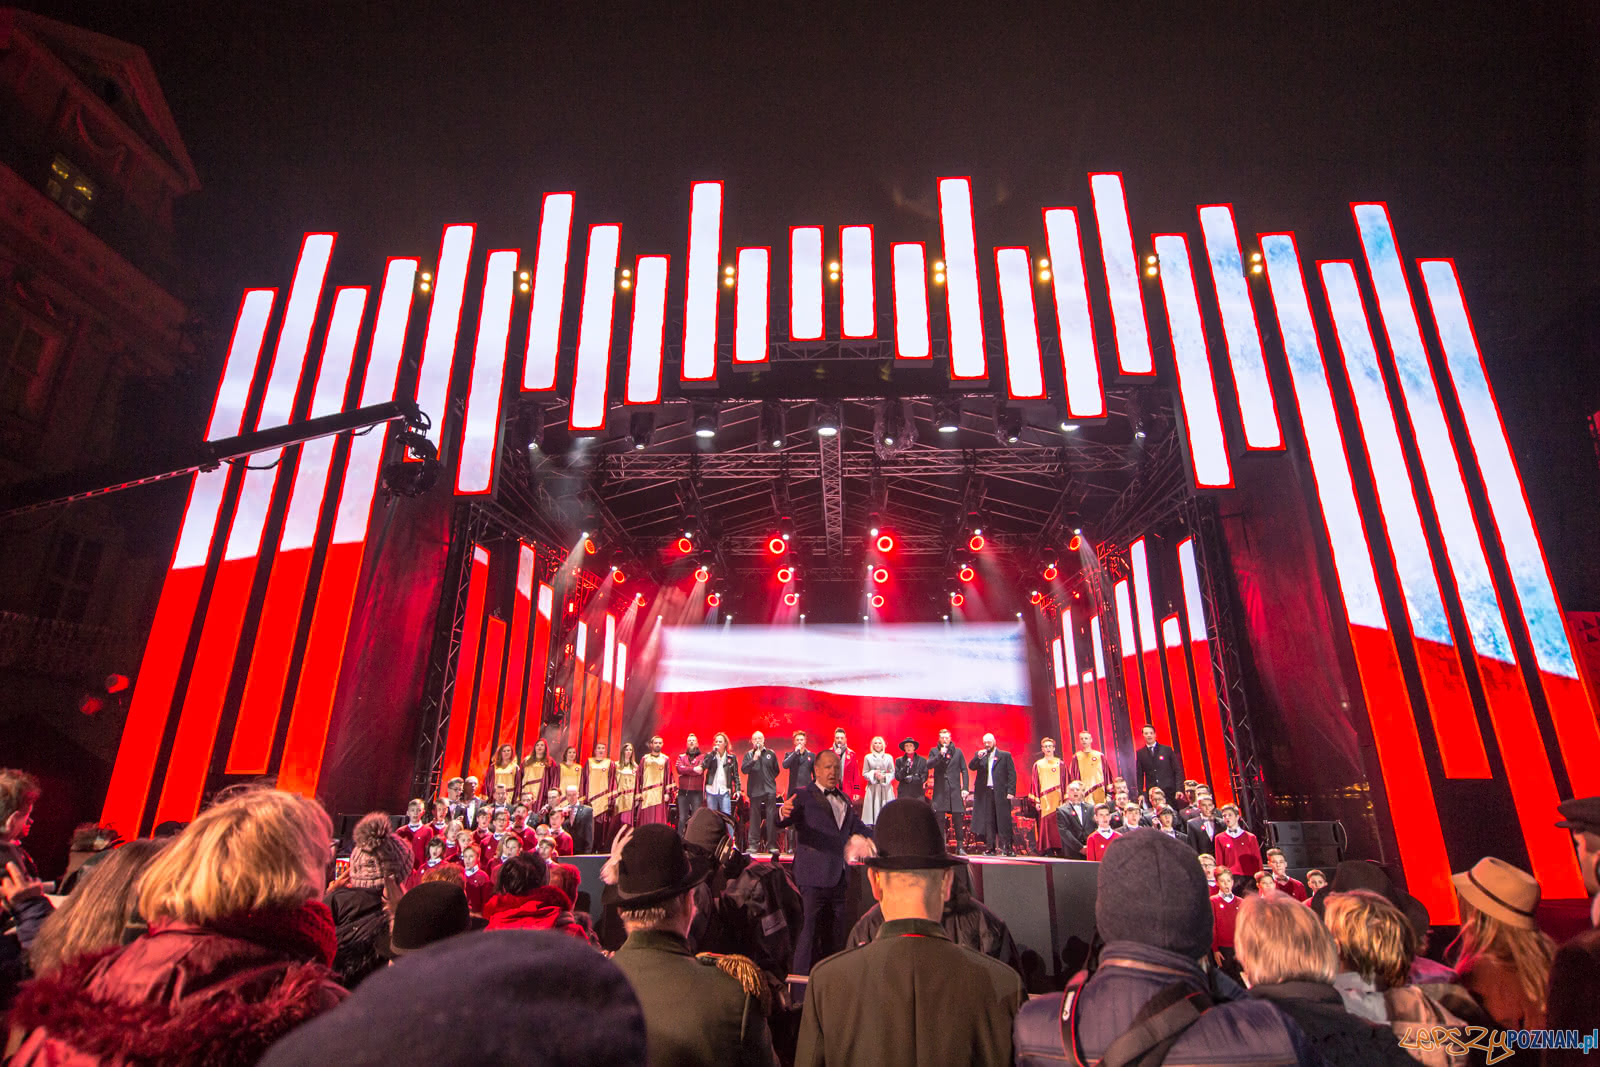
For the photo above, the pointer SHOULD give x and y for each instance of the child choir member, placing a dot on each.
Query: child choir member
(415, 832)
(478, 885)
(434, 858)
(1045, 790)
(1103, 835)
(1278, 863)
(1224, 917)
(1237, 848)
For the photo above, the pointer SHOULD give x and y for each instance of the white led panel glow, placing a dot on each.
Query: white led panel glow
(1202, 418)
(911, 334)
(549, 291)
(1140, 565)
(1171, 634)
(1530, 575)
(480, 431)
(1257, 410)
(1080, 364)
(1099, 647)
(1442, 468)
(1060, 664)
(967, 359)
(1330, 469)
(327, 398)
(649, 325)
(750, 304)
(590, 369)
(1122, 275)
(805, 283)
(700, 286)
(1193, 608)
(858, 308)
(1024, 364)
(1130, 647)
(608, 656)
(1070, 641)
(1412, 559)
(444, 321)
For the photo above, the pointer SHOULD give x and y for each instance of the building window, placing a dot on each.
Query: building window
(29, 359)
(70, 187)
(69, 579)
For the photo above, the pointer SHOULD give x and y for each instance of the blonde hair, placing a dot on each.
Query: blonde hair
(1529, 953)
(97, 912)
(876, 741)
(263, 849)
(1374, 936)
(1278, 939)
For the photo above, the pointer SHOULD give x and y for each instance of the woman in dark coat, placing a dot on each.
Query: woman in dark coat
(237, 954)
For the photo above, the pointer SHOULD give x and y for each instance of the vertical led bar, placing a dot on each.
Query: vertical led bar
(1258, 411)
(549, 291)
(279, 622)
(590, 370)
(1069, 651)
(1510, 706)
(1205, 681)
(608, 664)
(488, 712)
(1138, 709)
(1063, 703)
(1024, 364)
(580, 684)
(1571, 709)
(1102, 693)
(301, 766)
(1455, 721)
(455, 740)
(444, 322)
(1414, 815)
(750, 300)
(517, 649)
(151, 703)
(189, 761)
(1155, 692)
(700, 287)
(538, 668)
(967, 359)
(1122, 275)
(805, 283)
(619, 687)
(912, 338)
(480, 430)
(1080, 363)
(649, 325)
(1182, 698)
(858, 304)
(1092, 715)
(1202, 418)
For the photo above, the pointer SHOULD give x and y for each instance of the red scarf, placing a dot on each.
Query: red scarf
(305, 932)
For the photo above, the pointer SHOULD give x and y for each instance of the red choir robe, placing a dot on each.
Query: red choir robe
(479, 888)
(415, 879)
(1241, 854)
(599, 792)
(417, 837)
(1045, 788)
(1292, 886)
(627, 793)
(1224, 916)
(653, 788)
(1098, 842)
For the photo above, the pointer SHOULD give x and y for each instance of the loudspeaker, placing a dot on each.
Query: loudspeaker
(1309, 844)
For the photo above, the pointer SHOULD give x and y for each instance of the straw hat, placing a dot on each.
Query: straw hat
(1498, 889)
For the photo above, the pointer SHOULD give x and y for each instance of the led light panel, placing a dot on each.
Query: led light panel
(591, 368)
(1205, 681)
(1024, 365)
(1155, 691)
(444, 321)
(538, 666)
(911, 332)
(1138, 710)
(967, 358)
(1258, 410)
(455, 742)
(805, 283)
(488, 711)
(649, 324)
(1182, 701)
(1080, 363)
(700, 290)
(549, 292)
(750, 300)
(858, 308)
(1202, 418)
(480, 432)
(1122, 275)
(517, 649)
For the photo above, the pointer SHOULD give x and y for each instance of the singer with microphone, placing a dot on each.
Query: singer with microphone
(994, 787)
(827, 834)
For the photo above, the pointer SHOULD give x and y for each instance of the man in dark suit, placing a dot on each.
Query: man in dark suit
(760, 769)
(948, 766)
(827, 832)
(798, 763)
(994, 787)
(1075, 820)
(910, 772)
(1158, 765)
(1204, 827)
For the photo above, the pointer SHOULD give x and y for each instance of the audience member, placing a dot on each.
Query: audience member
(1151, 910)
(1572, 999)
(380, 863)
(874, 1004)
(696, 1010)
(19, 792)
(1288, 958)
(1581, 816)
(743, 907)
(509, 996)
(90, 845)
(1363, 874)
(99, 914)
(966, 919)
(26, 907)
(237, 953)
(524, 900)
(427, 913)
(1503, 957)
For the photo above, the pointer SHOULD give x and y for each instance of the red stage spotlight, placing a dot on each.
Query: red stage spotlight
(1034, 597)
(956, 600)
(1050, 572)
(714, 599)
(1076, 543)
(685, 546)
(877, 600)
(116, 683)
(976, 543)
(785, 575)
(966, 573)
(638, 600)
(777, 545)
(618, 575)
(885, 542)
(589, 547)
(702, 573)
(791, 599)
(880, 574)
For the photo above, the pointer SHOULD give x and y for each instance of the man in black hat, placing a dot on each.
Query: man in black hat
(911, 995)
(910, 772)
(429, 912)
(1581, 816)
(827, 832)
(695, 1010)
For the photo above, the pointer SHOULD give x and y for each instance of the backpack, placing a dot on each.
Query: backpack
(1158, 1026)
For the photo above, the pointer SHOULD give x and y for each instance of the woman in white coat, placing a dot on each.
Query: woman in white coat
(877, 775)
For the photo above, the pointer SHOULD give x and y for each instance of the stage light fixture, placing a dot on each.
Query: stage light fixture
(956, 600)
(773, 431)
(976, 542)
(589, 546)
(618, 575)
(777, 545)
(1034, 597)
(966, 573)
(702, 573)
(705, 421)
(641, 428)
(885, 542)
(791, 599)
(714, 599)
(947, 416)
(1051, 571)
(1076, 542)
(877, 600)
(785, 575)
(638, 600)
(684, 546)
(530, 427)
(1008, 426)
(880, 574)
(827, 423)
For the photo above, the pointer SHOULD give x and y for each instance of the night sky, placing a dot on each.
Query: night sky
(1478, 123)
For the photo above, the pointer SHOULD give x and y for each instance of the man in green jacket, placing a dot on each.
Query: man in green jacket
(911, 995)
(697, 1011)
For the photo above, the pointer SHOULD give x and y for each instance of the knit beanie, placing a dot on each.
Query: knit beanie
(378, 853)
(1152, 890)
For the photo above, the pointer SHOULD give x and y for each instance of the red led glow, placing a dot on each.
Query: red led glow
(638, 600)
(685, 546)
(455, 745)
(877, 600)
(956, 600)
(976, 543)
(880, 574)
(777, 546)
(885, 542)
(702, 574)
(785, 575)
(714, 599)
(1035, 597)
(1050, 572)
(791, 599)
(1075, 544)
(618, 575)
(517, 648)
(589, 547)
(966, 573)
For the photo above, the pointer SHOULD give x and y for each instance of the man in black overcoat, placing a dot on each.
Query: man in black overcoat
(948, 765)
(994, 787)
(910, 771)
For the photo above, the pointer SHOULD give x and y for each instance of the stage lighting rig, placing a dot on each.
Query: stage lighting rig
(1076, 542)
(785, 574)
(947, 416)
(705, 421)
(966, 572)
(879, 574)
(892, 431)
(1050, 571)
(777, 544)
(641, 428)
(773, 430)
(1007, 425)
(827, 419)
(791, 600)
(412, 479)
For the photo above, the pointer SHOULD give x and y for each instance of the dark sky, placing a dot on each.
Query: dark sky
(1477, 122)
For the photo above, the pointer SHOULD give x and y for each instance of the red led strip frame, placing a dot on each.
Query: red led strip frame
(517, 649)
(1182, 701)
(488, 709)
(1199, 651)
(538, 668)
(455, 741)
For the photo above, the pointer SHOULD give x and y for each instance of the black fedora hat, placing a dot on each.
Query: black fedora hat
(656, 867)
(912, 741)
(909, 838)
(429, 912)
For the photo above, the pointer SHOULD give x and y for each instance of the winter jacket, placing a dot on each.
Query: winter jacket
(967, 920)
(359, 921)
(1340, 1037)
(546, 908)
(183, 995)
(28, 916)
